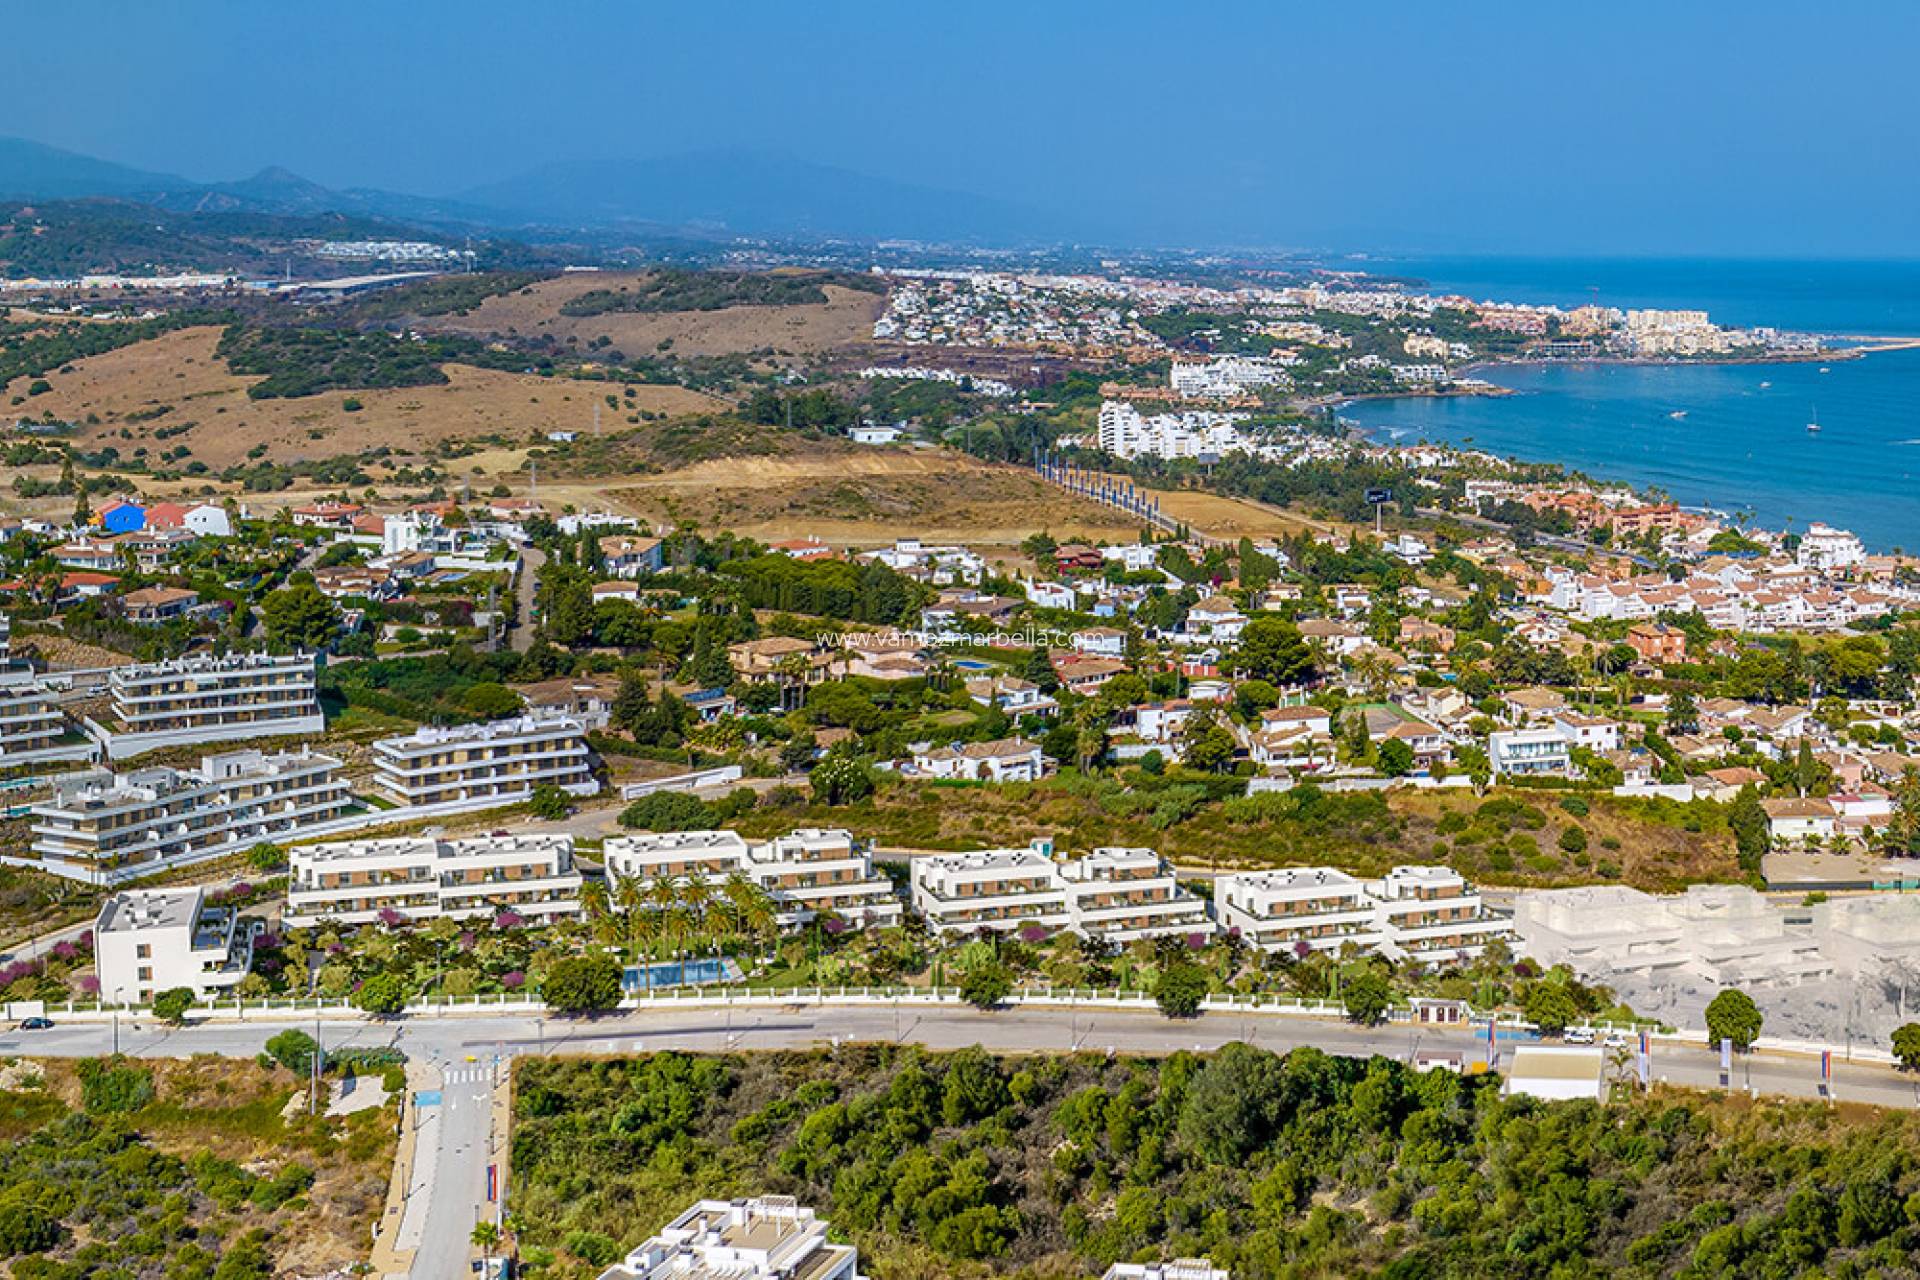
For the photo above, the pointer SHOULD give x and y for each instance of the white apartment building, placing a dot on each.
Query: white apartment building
(1123, 895)
(1178, 1269)
(1286, 908)
(1418, 912)
(103, 828)
(209, 699)
(769, 1238)
(152, 940)
(501, 759)
(1112, 893)
(425, 877)
(1824, 547)
(805, 872)
(1224, 377)
(1002, 889)
(32, 728)
(1125, 432)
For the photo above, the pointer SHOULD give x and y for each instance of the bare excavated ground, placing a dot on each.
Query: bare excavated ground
(846, 318)
(173, 391)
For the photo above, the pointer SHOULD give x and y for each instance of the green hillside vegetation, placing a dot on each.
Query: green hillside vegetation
(60, 238)
(680, 290)
(185, 1171)
(966, 1165)
(304, 361)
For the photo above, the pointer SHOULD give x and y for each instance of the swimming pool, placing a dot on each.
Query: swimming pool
(679, 973)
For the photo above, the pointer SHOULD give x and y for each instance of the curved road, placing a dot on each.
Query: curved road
(447, 1187)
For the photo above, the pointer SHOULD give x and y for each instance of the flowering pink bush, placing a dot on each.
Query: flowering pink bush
(89, 986)
(513, 979)
(508, 920)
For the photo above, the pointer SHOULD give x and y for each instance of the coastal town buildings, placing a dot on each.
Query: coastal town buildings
(146, 941)
(105, 828)
(499, 760)
(428, 877)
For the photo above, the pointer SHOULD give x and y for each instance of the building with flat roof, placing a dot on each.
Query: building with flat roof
(1413, 912)
(201, 699)
(805, 872)
(103, 827)
(33, 729)
(426, 877)
(1178, 1269)
(1117, 894)
(151, 940)
(1558, 1073)
(501, 759)
(768, 1238)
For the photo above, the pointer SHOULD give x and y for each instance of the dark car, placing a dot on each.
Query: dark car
(35, 1024)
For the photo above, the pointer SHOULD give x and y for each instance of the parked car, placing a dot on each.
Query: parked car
(1579, 1035)
(35, 1024)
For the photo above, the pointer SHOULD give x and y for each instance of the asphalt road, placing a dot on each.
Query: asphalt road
(447, 1195)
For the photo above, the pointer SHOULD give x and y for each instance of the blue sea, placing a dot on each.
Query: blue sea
(1742, 444)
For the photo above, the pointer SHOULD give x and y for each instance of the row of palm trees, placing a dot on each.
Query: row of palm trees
(678, 914)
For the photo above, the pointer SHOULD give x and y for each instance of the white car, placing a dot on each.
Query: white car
(1579, 1035)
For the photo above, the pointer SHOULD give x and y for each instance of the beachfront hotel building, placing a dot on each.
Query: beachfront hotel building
(500, 760)
(805, 872)
(769, 1238)
(186, 701)
(1414, 912)
(426, 877)
(104, 828)
(152, 940)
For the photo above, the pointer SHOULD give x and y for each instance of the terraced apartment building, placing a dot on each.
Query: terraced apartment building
(1116, 894)
(207, 698)
(425, 877)
(104, 828)
(805, 872)
(1413, 912)
(500, 760)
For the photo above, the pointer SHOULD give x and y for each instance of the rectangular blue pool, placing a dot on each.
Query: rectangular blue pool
(679, 973)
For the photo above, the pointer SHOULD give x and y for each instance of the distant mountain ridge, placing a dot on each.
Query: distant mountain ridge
(740, 192)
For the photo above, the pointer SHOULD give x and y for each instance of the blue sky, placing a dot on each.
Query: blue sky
(1757, 128)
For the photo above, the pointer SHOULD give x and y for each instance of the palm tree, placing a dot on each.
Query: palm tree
(486, 1237)
(594, 900)
(697, 895)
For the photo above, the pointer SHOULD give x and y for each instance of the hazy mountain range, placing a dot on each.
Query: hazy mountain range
(739, 192)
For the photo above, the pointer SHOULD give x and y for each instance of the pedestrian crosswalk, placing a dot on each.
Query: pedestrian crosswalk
(470, 1073)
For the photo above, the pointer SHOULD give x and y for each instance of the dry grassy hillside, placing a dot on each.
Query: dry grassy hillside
(846, 318)
(128, 397)
(849, 495)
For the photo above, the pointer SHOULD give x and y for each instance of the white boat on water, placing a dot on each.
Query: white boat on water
(1765, 385)
(1813, 424)
(1678, 414)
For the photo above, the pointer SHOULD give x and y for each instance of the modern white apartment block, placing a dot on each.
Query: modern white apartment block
(770, 1238)
(154, 940)
(805, 872)
(1290, 907)
(1178, 1269)
(1414, 912)
(1126, 894)
(1431, 912)
(501, 759)
(32, 728)
(1003, 889)
(424, 878)
(209, 699)
(103, 827)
